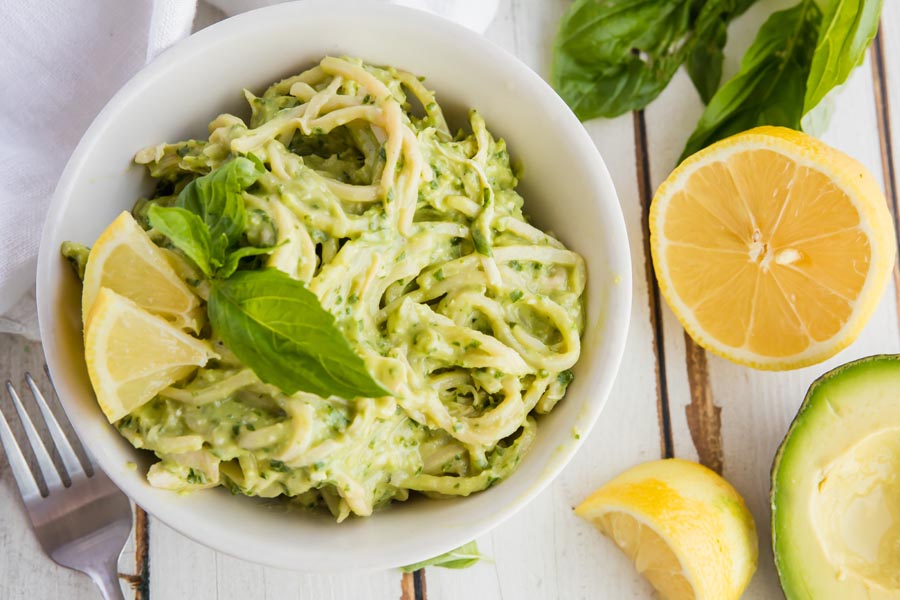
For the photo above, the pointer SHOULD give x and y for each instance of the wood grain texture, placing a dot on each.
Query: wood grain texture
(141, 577)
(704, 418)
(407, 587)
(888, 79)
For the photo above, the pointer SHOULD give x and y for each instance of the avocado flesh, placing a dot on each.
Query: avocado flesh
(836, 487)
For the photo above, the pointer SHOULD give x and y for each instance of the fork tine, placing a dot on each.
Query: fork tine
(21, 473)
(45, 463)
(92, 463)
(63, 446)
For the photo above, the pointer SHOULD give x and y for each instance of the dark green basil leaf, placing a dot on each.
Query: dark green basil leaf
(216, 198)
(848, 27)
(187, 232)
(705, 57)
(218, 250)
(613, 56)
(277, 327)
(770, 86)
(704, 62)
(461, 558)
(233, 259)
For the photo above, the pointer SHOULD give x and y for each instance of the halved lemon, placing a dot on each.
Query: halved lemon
(687, 530)
(131, 354)
(772, 248)
(125, 260)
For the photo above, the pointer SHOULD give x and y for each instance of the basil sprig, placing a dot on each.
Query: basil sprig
(798, 56)
(612, 56)
(704, 56)
(272, 323)
(209, 216)
(771, 83)
(463, 557)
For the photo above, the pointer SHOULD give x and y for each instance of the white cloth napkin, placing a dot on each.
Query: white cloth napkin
(60, 62)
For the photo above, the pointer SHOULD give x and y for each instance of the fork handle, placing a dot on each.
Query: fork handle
(107, 579)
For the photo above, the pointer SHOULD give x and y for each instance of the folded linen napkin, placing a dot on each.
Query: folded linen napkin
(61, 62)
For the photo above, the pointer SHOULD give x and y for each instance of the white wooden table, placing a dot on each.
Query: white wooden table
(670, 398)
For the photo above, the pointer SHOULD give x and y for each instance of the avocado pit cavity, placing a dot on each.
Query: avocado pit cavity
(856, 511)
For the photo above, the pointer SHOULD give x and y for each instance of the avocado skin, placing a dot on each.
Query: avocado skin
(794, 585)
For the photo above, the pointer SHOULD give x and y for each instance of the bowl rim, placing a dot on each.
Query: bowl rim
(617, 310)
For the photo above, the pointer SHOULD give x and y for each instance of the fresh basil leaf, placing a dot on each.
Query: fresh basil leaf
(277, 327)
(705, 56)
(461, 558)
(218, 250)
(848, 27)
(187, 232)
(613, 56)
(704, 62)
(216, 198)
(770, 85)
(233, 259)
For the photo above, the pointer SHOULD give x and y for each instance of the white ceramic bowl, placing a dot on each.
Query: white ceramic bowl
(566, 186)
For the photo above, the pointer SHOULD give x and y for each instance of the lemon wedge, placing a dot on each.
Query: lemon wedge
(686, 529)
(131, 354)
(772, 248)
(125, 260)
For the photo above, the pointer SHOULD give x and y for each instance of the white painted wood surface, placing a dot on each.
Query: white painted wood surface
(545, 551)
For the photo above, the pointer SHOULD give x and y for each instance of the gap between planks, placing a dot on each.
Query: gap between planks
(645, 193)
(882, 112)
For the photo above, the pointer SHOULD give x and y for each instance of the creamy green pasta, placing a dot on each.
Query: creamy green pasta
(414, 238)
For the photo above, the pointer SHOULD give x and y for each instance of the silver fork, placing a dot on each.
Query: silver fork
(83, 525)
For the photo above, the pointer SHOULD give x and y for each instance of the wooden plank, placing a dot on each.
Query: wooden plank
(25, 571)
(704, 417)
(728, 416)
(879, 61)
(886, 74)
(645, 195)
(182, 568)
(666, 137)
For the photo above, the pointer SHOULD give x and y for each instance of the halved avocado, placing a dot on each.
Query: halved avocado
(836, 487)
